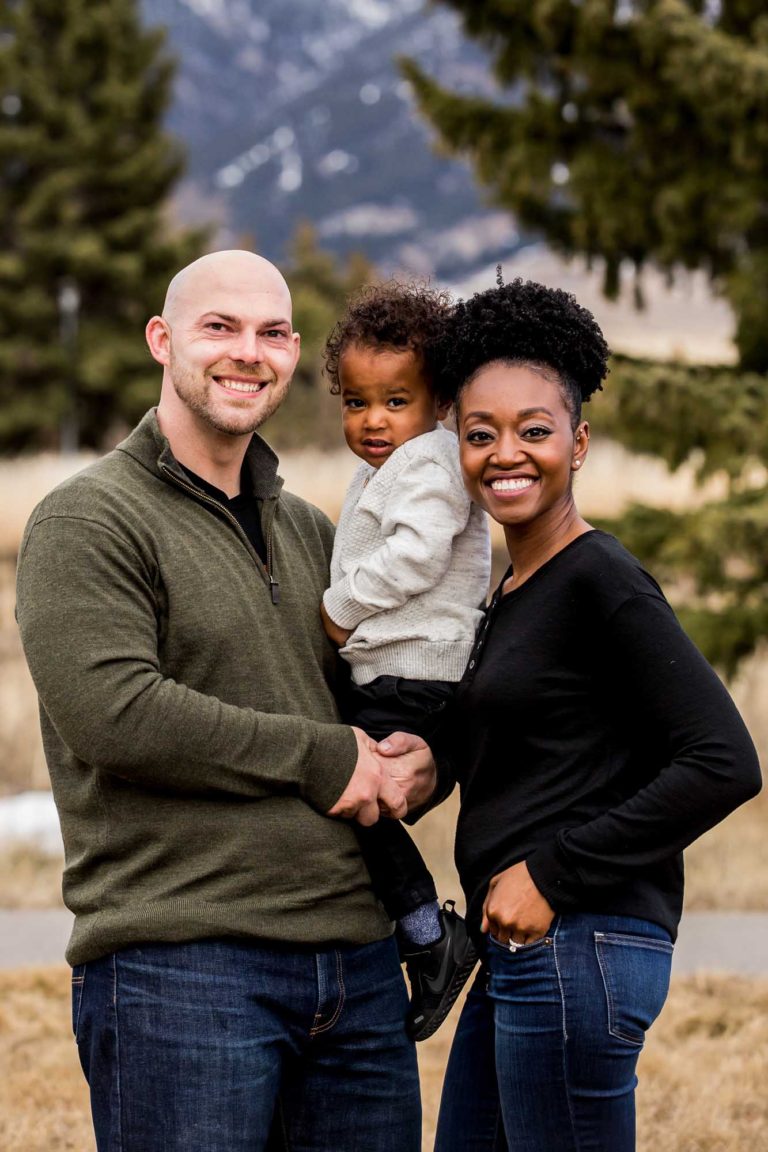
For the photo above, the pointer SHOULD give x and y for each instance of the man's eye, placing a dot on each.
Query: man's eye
(276, 333)
(218, 326)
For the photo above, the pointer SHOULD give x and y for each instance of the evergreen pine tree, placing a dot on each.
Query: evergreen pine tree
(636, 131)
(320, 285)
(87, 247)
(711, 558)
(632, 130)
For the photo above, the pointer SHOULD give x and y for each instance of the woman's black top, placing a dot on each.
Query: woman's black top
(591, 739)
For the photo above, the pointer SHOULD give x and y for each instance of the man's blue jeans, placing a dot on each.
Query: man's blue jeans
(189, 1048)
(546, 1048)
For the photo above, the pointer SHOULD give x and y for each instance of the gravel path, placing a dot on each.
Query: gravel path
(708, 941)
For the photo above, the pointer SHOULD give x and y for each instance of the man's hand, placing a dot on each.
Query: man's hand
(370, 791)
(514, 909)
(411, 765)
(333, 631)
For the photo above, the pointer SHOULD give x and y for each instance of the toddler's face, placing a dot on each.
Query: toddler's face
(385, 401)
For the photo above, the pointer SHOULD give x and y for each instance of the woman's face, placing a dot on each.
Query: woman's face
(518, 447)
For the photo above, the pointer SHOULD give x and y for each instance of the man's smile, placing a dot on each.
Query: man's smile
(241, 383)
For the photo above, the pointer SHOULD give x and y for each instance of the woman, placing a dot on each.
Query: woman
(592, 743)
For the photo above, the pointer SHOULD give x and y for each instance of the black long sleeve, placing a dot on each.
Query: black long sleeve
(592, 739)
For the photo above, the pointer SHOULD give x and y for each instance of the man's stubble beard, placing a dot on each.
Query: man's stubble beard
(196, 392)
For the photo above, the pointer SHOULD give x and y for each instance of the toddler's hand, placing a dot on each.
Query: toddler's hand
(338, 635)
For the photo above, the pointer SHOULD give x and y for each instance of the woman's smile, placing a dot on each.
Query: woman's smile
(511, 484)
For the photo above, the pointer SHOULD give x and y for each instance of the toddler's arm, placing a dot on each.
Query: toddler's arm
(338, 635)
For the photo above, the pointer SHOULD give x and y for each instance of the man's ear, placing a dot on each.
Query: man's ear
(158, 336)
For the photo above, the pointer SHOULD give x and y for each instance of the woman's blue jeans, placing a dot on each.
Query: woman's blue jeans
(223, 1046)
(546, 1049)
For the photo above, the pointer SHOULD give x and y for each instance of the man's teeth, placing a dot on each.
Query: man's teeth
(511, 485)
(241, 385)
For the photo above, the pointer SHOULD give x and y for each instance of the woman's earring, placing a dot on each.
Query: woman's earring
(577, 463)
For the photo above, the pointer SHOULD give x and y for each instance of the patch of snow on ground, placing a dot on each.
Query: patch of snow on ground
(30, 818)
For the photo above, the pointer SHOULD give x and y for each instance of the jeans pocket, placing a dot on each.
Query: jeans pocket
(635, 971)
(78, 984)
(544, 941)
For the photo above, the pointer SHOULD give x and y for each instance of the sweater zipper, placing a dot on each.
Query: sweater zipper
(274, 587)
(265, 569)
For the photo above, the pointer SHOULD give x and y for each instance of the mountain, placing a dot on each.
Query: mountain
(294, 110)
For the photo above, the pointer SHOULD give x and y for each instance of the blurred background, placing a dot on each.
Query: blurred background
(614, 148)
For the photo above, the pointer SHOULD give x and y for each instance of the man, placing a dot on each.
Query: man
(227, 949)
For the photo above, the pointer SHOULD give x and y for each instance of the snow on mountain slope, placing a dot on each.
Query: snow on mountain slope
(294, 110)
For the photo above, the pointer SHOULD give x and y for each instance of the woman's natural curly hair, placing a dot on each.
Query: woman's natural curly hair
(394, 315)
(529, 324)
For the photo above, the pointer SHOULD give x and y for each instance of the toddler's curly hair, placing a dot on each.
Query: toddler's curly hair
(525, 323)
(394, 315)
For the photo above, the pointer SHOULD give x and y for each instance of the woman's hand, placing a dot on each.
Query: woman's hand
(514, 909)
(411, 765)
(333, 631)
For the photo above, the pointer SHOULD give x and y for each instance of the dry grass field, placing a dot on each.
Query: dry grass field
(724, 868)
(702, 1075)
(29, 878)
(612, 478)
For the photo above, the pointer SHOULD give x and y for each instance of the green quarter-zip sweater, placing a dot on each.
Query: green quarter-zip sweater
(187, 709)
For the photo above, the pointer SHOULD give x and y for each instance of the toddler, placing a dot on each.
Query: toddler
(409, 575)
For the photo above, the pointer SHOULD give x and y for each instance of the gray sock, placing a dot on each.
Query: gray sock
(422, 926)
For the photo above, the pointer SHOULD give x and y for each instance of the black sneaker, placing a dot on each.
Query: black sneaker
(437, 973)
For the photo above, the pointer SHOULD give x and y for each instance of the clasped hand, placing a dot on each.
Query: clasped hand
(389, 779)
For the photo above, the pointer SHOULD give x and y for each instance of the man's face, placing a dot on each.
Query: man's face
(230, 350)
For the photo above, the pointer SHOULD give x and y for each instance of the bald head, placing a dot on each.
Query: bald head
(227, 347)
(231, 271)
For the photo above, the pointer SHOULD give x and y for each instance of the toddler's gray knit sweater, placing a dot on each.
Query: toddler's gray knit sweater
(411, 564)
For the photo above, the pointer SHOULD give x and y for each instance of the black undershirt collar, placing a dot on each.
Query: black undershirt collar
(244, 507)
